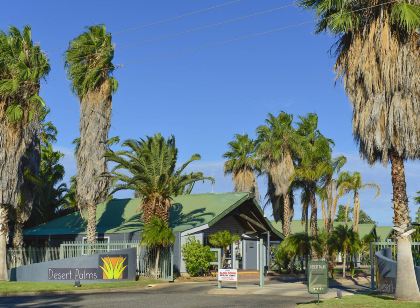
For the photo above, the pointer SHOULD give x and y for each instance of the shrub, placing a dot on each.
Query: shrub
(197, 257)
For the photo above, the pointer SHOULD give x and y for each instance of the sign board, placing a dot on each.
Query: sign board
(317, 277)
(110, 267)
(227, 274)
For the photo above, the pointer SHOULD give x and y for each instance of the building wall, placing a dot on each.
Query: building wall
(229, 223)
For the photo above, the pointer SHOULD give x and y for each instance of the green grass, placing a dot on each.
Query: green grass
(362, 301)
(20, 286)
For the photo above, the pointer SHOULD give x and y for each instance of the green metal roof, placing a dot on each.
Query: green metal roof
(123, 215)
(383, 232)
(296, 227)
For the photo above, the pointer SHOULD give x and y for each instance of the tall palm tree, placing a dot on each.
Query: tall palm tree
(277, 145)
(353, 183)
(22, 67)
(89, 66)
(149, 168)
(329, 192)
(241, 163)
(378, 59)
(314, 163)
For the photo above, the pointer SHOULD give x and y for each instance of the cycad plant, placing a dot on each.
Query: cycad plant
(149, 168)
(223, 239)
(353, 183)
(378, 59)
(22, 67)
(241, 163)
(344, 240)
(157, 235)
(277, 146)
(90, 68)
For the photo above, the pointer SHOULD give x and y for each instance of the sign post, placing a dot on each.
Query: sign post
(317, 277)
(227, 274)
(261, 262)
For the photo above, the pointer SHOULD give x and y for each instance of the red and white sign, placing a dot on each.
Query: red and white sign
(227, 274)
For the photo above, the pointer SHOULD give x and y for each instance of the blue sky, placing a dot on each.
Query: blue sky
(204, 77)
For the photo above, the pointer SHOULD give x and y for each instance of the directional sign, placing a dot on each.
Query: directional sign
(317, 277)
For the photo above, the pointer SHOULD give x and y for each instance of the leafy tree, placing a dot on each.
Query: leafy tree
(197, 257)
(157, 234)
(22, 67)
(149, 168)
(343, 214)
(223, 239)
(241, 163)
(364, 218)
(343, 239)
(89, 66)
(277, 145)
(353, 183)
(377, 57)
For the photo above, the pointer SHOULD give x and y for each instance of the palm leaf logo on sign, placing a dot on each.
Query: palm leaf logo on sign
(113, 267)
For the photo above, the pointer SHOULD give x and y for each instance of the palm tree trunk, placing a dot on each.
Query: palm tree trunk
(356, 211)
(14, 140)
(4, 228)
(18, 234)
(18, 241)
(95, 121)
(314, 215)
(286, 215)
(157, 262)
(344, 262)
(406, 288)
(91, 224)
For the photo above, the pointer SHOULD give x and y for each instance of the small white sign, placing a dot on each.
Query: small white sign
(227, 274)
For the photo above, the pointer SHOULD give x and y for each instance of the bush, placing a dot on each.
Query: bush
(197, 257)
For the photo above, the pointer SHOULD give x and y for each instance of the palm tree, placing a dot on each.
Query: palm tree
(241, 163)
(329, 192)
(148, 168)
(277, 145)
(343, 239)
(353, 183)
(89, 66)
(157, 234)
(31, 165)
(377, 57)
(22, 67)
(314, 163)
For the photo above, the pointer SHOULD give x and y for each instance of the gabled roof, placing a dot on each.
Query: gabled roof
(123, 215)
(296, 227)
(383, 232)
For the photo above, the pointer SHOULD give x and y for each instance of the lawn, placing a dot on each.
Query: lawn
(19, 287)
(362, 301)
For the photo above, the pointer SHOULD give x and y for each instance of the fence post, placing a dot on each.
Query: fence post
(172, 264)
(372, 266)
(61, 251)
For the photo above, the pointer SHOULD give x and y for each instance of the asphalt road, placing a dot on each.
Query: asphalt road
(176, 295)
